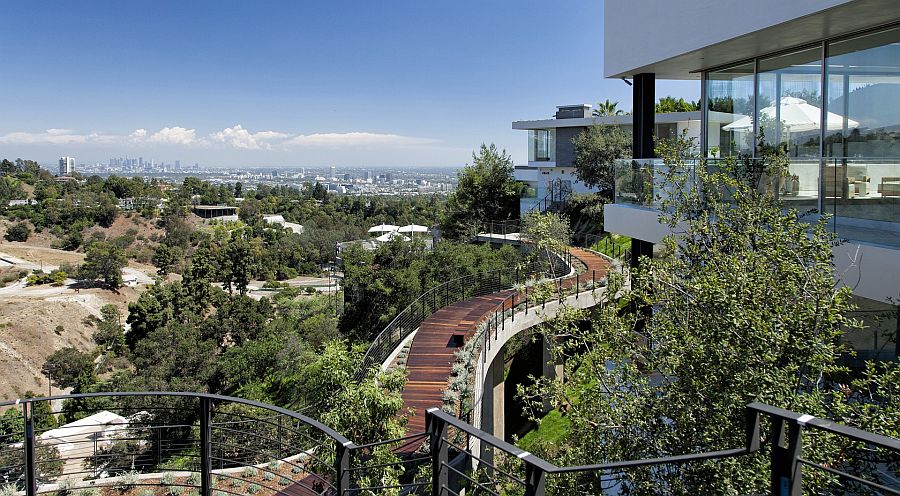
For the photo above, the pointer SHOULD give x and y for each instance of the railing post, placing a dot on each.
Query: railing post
(526, 299)
(512, 306)
(342, 468)
(437, 430)
(787, 447)
(535, 480)
(205, 446)
(30, 467)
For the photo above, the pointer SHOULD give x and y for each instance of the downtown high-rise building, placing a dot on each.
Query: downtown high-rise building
(66, 166)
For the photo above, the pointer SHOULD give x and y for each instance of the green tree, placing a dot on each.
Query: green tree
(110, 334)
(596, 150)
(104, 261)
(165, 258)
(607, 108)
(744, 309)
(66, 365)
(18, 232)
(486, 191)
(237, 264)
(668, 104)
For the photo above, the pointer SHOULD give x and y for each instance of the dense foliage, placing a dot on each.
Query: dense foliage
(382, 283)
(487, 191)
(745, 309)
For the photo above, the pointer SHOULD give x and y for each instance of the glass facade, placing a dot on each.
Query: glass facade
(542, 145)
(848, 167)
(862, 152)
(730, 92)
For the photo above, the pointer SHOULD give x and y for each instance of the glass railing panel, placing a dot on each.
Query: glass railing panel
(645, 182)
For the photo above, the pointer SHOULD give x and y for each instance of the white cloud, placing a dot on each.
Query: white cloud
(138, 134)
(176, 135)
(356, 139)
(242, 139)
(236, 137)
(55, 137)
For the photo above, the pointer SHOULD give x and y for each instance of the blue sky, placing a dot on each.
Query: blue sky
(294, 83)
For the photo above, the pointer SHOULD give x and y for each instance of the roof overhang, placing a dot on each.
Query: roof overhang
(844, 19)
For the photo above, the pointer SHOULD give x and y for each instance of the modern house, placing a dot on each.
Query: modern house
(549, 175)
(821, 77)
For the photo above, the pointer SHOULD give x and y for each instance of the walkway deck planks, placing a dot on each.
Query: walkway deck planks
(431, 353)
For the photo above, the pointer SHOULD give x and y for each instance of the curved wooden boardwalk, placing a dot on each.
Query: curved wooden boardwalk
(431, 353)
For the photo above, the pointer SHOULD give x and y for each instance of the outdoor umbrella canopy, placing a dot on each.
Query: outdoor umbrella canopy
(796, 116)
(412, 228)
(384, 238)
(383, 228)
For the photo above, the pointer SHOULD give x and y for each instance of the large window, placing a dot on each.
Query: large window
(788, 112)
(862, 152)
(542, 145)
(841, 132)
(729, 94)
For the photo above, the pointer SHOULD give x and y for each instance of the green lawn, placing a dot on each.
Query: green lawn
(552, 429)
(613, 245)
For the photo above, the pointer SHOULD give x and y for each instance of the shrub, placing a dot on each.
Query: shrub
(127, 481)
(253, 488)
(249, 472)
(269, 476)
(193, 479)
(285, 481)
(167, 479)
(175, 490)
(236, 483)
(8, 490)
(147, 492)
(296, 469)
(65, 488)
(89, 491)
(18, 232)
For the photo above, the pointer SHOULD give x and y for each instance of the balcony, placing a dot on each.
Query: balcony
(861, 195)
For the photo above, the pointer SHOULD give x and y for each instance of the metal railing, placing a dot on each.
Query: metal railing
(442, 295)
(557, 197)
(503, 468)
(605, 244)
(171, 443)
(178, 444)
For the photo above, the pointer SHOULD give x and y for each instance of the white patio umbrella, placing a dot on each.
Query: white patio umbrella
(383, 228)
(413, 228)
(384, 238)
(796, 116)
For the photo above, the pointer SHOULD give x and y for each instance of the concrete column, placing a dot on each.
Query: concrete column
(493, 411)
(552, 368)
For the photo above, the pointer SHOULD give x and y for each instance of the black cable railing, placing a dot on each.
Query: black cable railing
(181, 444)
(490, 465)
(168, 443)
(448, 293)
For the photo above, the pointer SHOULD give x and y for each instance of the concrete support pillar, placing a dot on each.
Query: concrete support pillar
(493, 408)
(552, 368)
(492, 403)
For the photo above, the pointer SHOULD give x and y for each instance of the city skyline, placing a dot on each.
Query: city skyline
(231, 84)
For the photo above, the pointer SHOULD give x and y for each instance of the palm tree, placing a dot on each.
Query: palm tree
(606, 108)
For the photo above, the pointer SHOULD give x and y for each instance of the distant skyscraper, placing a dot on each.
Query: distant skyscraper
(367, 176)
(333, 176)
(66, 166)
(177, 165)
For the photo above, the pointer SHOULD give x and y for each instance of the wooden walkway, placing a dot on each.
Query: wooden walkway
(431, 353)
